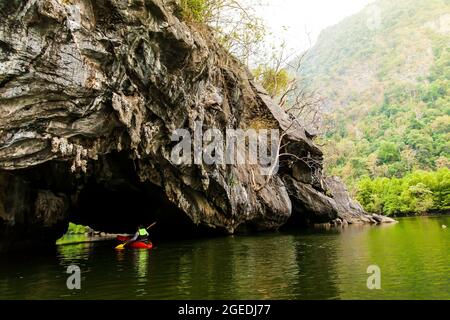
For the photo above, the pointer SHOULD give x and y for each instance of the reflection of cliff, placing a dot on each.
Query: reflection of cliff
(280, 267)
(250, 268)
(353, 257)
(264, 268)
(227, 268)
(40, 275)
(316, 263)
(197, 270)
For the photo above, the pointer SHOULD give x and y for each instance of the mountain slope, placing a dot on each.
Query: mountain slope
(385, 74)
(389, 41)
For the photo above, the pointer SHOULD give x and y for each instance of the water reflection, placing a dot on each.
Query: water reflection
(319, 264)
(74, 252)
(258, 267)
(141, 260)
(316, 263)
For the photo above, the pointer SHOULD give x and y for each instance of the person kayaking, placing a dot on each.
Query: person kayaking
(140, 235)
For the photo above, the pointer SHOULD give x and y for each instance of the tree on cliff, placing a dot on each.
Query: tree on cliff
(233, 22)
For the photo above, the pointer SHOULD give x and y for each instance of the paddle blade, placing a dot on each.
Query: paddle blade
(120, 247)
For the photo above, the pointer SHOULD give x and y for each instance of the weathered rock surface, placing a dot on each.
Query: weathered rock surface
(348, 209)
(90, 93)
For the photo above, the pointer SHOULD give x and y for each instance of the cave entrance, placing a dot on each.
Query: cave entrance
(121, 208)
(113, 200)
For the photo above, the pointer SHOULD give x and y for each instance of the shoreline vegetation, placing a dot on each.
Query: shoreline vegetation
(417, 193)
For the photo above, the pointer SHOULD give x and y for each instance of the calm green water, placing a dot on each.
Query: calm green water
(413, 255)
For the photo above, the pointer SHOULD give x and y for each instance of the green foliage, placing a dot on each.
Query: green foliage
(234, 23)
(77, 229)
(417, 192)
(388, 153)
(276, 82)
(194, 9)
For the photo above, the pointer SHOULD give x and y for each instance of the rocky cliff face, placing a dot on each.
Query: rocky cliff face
(90, 93)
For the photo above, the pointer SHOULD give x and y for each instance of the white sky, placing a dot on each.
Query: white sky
(305, 16)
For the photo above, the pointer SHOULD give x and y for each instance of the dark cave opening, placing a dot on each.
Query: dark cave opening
(297, 221)
(114, 200)
(120, 209)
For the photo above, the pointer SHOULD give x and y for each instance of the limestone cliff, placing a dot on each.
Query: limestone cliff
(90, 93)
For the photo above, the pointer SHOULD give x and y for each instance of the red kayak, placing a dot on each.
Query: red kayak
(135, 244)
